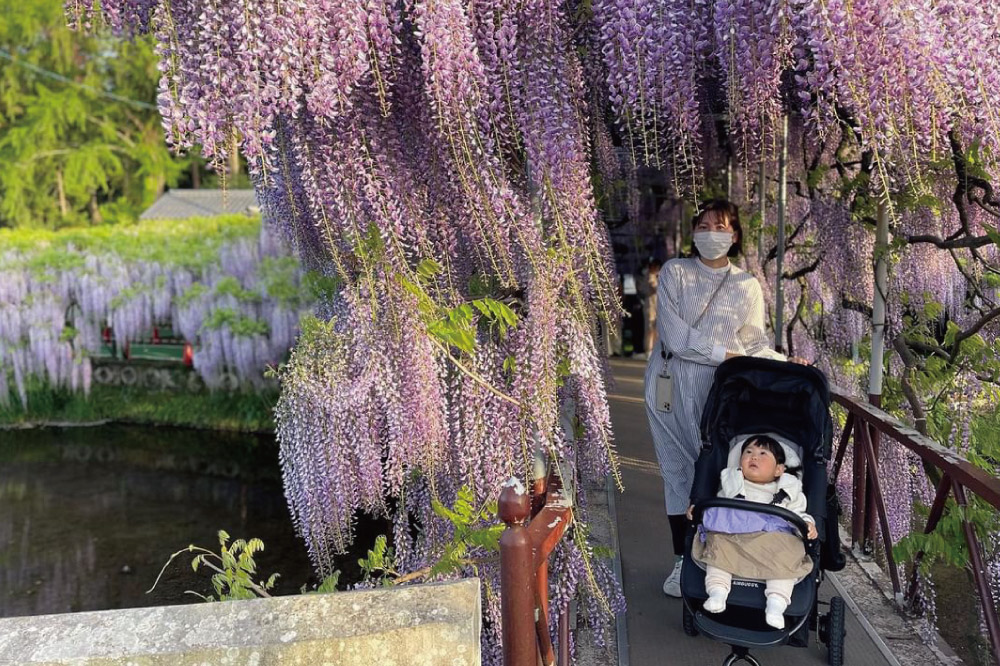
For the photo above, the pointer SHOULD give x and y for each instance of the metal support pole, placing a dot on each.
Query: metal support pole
(859, 495)
(729, 178)
(761, 208)
(779, 294)
(878, 341)
(878, 307)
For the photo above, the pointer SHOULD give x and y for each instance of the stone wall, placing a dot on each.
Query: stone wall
(420, 625)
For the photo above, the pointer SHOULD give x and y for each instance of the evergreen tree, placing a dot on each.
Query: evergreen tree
(80, 138)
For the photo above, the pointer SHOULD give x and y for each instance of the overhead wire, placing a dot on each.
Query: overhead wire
(6, 55)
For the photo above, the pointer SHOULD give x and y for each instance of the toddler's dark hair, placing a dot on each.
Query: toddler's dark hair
(769, 443)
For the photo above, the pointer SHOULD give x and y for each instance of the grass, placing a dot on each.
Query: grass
(190, 243)
(245, 412)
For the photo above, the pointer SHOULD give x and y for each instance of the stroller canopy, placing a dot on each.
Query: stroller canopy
(756, 395)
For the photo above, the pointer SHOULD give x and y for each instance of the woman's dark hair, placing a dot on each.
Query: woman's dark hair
(731, 213)
(765, 442)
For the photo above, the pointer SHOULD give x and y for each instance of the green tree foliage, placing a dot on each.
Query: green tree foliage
(72, 146)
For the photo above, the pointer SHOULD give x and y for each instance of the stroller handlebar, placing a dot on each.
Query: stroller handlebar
(743, 505)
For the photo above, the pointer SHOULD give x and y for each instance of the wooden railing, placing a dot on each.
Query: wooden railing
(865, 425)
(524, 571)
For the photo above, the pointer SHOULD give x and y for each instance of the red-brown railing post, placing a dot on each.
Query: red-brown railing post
(959, 475)
(979, 573)
(845, 437)
(937, 510)
(538, 491)
(564, 638)
(539, 496)
(877, 506)
(524, 567)
(517, 594)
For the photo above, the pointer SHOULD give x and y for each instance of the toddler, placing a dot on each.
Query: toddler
(757, 549)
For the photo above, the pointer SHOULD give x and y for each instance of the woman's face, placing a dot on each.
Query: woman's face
(759, 465)
(713, 220)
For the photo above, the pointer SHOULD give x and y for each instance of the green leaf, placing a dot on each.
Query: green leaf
(481, 305)
(329, 583)
(992, 233)
(428, 268)
(487, 538)
(951, 333)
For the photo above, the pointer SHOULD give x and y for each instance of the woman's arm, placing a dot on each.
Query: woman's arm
(674, 332)
(752, 334)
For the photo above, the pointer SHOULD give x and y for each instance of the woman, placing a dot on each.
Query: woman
(708, 310)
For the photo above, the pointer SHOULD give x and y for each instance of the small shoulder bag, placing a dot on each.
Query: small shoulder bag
(665, 379)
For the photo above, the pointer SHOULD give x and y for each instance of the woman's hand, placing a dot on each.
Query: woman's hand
(799, 360)
(690, 512)
(812, 531)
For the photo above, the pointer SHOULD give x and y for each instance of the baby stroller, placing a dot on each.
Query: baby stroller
(792, 403)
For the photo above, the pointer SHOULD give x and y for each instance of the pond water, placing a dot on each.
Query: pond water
(88, 516)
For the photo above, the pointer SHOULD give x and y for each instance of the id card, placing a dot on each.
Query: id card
(665, 392)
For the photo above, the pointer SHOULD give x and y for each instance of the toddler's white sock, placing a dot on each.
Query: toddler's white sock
(774, 612)
(716, 602)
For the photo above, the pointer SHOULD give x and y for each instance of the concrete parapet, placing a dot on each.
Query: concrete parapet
(419, 625)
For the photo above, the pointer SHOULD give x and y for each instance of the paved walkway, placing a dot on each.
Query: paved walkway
(654, 631)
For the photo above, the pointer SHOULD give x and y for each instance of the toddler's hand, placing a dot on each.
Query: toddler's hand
(812, 531)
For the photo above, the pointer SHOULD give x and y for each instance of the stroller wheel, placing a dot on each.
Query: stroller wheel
(688, 619)
(833, 625)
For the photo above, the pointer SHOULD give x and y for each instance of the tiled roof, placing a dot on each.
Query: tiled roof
(179, 204)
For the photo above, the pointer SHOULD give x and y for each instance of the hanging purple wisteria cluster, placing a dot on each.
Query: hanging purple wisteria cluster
(236, 296)
(899, 74)
(431, 158)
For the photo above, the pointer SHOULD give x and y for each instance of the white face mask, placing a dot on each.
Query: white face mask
(713, 244)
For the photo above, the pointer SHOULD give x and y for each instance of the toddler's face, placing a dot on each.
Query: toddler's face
(759, 465)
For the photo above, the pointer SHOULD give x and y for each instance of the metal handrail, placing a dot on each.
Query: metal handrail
(865, 422)
(525, 548)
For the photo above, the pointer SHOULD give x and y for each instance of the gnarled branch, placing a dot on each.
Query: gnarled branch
(950, 243)
(863, 308)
